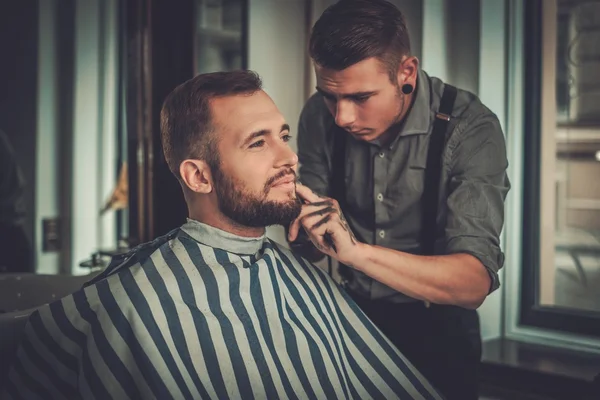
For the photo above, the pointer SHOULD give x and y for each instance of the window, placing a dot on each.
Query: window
(561, 249)
(220, 41)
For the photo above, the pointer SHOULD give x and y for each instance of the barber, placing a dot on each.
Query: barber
(405, 187)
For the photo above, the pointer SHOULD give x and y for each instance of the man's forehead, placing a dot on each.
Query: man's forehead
(242, 106)
(245, 113)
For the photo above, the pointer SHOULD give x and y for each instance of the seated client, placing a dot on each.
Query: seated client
(214, 309)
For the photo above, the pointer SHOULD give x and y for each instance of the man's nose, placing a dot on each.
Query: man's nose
(344, 114)
(286, 156)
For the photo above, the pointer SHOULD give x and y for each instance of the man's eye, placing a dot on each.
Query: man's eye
(361, 99)
(257, 144)
(286, 138)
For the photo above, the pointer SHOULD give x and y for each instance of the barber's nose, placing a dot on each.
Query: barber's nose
(344, 114)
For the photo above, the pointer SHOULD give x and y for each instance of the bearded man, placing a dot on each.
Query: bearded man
(215, 309)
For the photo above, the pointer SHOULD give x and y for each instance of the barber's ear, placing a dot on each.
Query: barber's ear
(408, 71)
(196, 175)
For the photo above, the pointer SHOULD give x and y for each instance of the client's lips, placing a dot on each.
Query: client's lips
(285, 180)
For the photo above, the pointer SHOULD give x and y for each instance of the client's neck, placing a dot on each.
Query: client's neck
(210, 215)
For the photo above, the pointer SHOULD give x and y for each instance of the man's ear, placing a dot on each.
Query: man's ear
(196, 175)
(408, 70)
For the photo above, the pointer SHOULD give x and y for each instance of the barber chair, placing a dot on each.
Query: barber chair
(25, 291)
(21, 295)
(11, 330)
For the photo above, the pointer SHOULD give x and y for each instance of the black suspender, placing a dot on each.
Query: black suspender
(433, 169)
(338, 166)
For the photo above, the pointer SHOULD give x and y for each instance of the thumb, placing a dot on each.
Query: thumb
(294, 229)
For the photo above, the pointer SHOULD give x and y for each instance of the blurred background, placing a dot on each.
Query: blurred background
(82, 174)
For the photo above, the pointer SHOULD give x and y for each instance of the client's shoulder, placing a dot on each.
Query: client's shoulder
(294, 259)
(140, 255)
(285, 253)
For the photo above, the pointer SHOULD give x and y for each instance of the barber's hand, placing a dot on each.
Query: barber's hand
(323, 221)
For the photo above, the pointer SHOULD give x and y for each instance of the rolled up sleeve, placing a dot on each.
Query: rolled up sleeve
(478, 185)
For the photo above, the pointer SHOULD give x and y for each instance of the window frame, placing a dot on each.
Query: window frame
(532, 314)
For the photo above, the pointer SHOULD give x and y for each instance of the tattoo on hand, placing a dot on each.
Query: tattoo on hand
(346, 226)
(320, 247)
(326, 211)
(327, 239)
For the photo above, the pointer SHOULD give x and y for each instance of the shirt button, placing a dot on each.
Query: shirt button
(382, 234)
(381, 155)
(380, 197)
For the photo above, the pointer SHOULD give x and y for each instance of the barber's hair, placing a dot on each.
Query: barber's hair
(351, 31)
(187, 129)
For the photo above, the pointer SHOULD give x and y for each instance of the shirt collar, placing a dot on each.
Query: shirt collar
(220, 239)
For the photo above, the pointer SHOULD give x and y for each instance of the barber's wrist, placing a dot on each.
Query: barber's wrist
(356, 256)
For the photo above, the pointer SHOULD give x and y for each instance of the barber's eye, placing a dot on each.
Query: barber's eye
(257, 144)
(286, 138)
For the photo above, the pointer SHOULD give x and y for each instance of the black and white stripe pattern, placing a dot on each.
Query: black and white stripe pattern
(180, 319)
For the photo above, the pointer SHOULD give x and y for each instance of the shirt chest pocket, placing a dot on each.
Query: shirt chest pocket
(406, 184)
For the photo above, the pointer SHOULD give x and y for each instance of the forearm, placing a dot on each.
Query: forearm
(458, 279)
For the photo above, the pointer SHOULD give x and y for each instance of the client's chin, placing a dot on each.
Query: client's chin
(257, 214)
(283, 213)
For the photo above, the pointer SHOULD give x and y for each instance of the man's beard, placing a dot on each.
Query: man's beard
(252, 210)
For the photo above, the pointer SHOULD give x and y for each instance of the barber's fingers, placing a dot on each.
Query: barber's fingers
(306, 194)
(309, 211)
(294, 229)
(325, 231)
(316, 219)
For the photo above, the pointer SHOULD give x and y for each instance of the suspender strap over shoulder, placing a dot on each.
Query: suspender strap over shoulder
(338, 167)
(433, 170)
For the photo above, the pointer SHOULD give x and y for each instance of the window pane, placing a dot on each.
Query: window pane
(219, 33)
(570, 156)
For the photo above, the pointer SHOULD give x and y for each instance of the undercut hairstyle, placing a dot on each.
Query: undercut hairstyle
(351, 31)
(187, 129)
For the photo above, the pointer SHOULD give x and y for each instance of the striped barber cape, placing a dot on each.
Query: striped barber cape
(203, 314)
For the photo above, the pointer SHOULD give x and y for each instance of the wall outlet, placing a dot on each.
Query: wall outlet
(51, 242)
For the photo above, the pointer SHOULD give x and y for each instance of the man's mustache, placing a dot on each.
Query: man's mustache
(280, 175)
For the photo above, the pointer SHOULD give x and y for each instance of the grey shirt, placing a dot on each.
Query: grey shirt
(387, 181)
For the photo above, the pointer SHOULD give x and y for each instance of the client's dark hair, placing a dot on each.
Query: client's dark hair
(185, 119)
(351, 31)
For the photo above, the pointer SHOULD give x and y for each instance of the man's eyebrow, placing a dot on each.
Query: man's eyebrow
(262, 132)
(345, 95)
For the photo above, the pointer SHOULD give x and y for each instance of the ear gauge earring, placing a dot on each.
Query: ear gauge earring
(407, 88)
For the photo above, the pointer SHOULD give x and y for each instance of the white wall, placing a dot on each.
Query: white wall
(464, 19)
(450, 46)
(413, 15)
(47, 201)
(492, 92)
(277, 51)
(92, 152)
(435, 51)
(94, 128)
